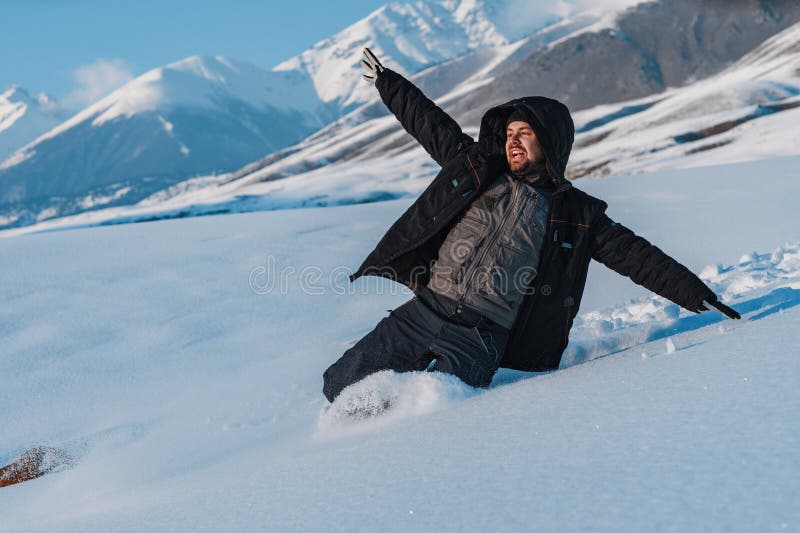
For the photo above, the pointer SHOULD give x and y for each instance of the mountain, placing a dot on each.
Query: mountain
(606, 64)
(207, 115)
(24, 117)
(411, 36)
(198, 115)
(649, 48)
(748, 111)
(587, 60)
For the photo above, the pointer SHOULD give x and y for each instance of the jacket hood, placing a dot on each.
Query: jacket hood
(550, 120)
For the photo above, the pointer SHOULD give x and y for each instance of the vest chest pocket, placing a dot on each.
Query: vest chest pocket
(459, 248)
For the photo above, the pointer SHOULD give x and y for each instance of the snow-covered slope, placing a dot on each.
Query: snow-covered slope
(198, 115)
(24, 117)
(188, 388)
(751, 110)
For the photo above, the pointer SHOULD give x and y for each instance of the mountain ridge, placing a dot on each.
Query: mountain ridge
(24, 117)
(464, 86)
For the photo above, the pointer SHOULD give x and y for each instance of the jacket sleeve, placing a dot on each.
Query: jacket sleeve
(618, 248)
(434, 129)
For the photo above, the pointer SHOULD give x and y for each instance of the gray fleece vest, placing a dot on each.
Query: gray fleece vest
(490, 256)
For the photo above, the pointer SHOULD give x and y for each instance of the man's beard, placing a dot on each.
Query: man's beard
(528, 167)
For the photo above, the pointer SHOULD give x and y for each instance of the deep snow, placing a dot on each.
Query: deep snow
(189, 389)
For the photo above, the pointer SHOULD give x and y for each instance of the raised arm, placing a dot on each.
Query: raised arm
(618, 248)
(434, 129)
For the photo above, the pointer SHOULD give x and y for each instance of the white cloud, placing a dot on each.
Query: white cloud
(523, 14)
(97, 79)
(574, 6)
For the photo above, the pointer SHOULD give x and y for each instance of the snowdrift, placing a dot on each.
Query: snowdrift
(188, 386)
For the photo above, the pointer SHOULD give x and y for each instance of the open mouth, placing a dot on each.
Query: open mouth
(517, 154)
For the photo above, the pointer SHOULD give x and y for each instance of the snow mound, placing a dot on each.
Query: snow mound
(390, 395)
(759, 285)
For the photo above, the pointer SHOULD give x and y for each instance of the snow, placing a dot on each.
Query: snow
(23, 118)
(191, 398)
(94, 200)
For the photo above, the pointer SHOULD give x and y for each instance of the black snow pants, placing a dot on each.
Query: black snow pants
(425, 329)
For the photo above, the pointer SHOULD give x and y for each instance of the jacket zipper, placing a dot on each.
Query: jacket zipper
(493, 238)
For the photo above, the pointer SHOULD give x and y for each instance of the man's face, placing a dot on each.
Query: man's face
(522, 147)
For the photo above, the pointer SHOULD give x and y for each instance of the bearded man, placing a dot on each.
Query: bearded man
(497, 248)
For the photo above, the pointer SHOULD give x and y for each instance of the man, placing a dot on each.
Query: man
(497, 248)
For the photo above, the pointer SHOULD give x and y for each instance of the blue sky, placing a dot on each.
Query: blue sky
(70, 48)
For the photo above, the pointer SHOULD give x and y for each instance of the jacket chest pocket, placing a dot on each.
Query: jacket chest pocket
(570, 242)
(526, 225)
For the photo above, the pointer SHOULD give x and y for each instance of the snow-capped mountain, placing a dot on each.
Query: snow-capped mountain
(142, 142)
(412, 36)
(204, 116)
(749, 111)
(590, 59)
(24, 117)
(198, 115)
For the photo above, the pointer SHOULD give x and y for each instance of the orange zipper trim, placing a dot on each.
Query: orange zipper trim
(571, 223)
(474, 171)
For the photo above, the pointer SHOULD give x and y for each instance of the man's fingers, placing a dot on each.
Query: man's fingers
(371, 59)
(369, 75)
(371, 65)
(367, 59)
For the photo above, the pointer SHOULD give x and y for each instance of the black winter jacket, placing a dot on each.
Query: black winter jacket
(578, 228)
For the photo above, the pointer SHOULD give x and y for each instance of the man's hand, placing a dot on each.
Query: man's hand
(371, 65)
(722, 308)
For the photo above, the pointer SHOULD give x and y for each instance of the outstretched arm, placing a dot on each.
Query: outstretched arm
(434, 129)
(623, 251)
